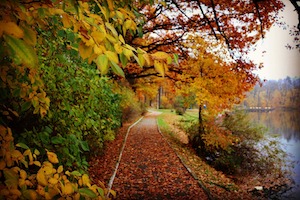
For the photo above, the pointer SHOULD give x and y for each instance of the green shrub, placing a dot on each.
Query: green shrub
(84, 110)
(252, 150)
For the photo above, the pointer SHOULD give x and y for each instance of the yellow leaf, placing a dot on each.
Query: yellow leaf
(121, 39)
(36, 152)
(54, 11)
(22, 182)
(23, 174)
(141, 59)
(113, 193)
(98, 36)
(51, 193)
(67, 23)
(53, 181)
(127, 25)
(159, 55)
(128, 53)
(85, 51)
(68, 189)
(105, 12)
(112, 29)
(11, 28)
(118, 48)
(43, 112)
(148, 62)
(77, 196)
(159, 67)
(41, 178)
(52, 157)
(120, 16)
(126, 12)
(129, 47)
(111, 38)
(92, 58)
(85, 179)
(169, 60)
(56, 176)
(60, 169)
(112, 56)
(110, 5)
(37, 163)
(97, 50)
(17, 154)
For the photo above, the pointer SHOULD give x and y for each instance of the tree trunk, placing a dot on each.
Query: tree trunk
(197, 141)
(201, 126)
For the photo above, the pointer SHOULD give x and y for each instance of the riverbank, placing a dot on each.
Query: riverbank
(222, 186)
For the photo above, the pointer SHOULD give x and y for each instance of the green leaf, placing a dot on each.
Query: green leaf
(11, 177)
(29, 36)
(22, 51)
(75, 173)
(22, 145)
(87, 192)
(123, 59)
(176, 58)
(84, 146)
(117, 69)
(100, 191)
(41, 12)
(102, 64)
(58, 139)
(25, 106)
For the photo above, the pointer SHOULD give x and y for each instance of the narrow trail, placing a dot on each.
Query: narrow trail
(150, 169)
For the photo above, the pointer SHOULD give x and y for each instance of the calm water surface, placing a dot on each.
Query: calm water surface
(287, 125)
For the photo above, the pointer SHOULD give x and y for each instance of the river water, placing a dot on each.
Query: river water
(287, 125)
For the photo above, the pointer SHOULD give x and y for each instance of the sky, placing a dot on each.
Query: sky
(278, 61)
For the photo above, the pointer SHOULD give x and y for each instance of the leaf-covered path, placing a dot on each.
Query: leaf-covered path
(150, 169)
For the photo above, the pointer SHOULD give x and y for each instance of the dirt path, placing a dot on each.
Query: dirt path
(150, 169)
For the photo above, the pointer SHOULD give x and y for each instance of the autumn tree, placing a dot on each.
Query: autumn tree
(165, 26)
(283, 93)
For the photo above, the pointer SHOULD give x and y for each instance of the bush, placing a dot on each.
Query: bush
(130, 106)
(180, 110)
(46, 180)
(237, 145)
(84, 112)
(253, 150)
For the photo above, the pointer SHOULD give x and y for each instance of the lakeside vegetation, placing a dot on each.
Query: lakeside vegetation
(279, 94)
(244, 165)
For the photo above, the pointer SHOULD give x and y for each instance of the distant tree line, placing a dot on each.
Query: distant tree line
(283, 93)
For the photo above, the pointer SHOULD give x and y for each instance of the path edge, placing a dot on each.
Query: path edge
(200, 183)
(111, 180)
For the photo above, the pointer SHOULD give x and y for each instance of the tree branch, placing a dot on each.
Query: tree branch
(259, 18)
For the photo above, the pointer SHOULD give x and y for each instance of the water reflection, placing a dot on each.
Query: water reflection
(284, 123)
(287, 125)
